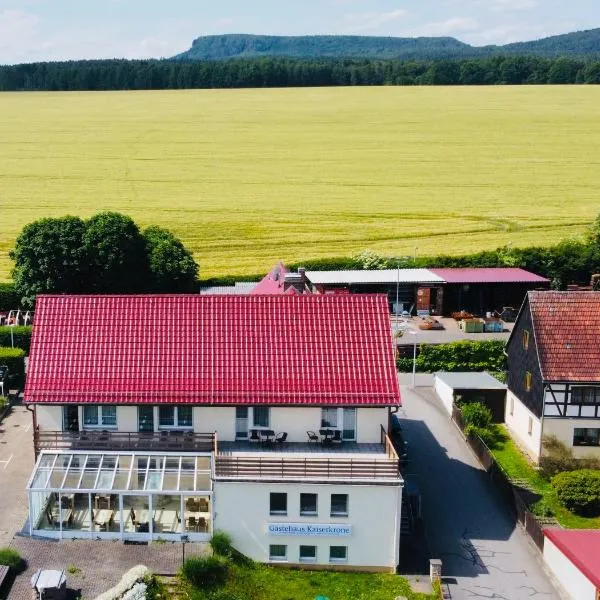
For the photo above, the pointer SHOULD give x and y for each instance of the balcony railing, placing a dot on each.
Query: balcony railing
(306, 468)
(177, 441)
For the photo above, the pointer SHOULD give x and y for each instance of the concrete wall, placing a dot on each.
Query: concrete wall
(564, 428)
(296, 421)
(49, 417)
(518, 425)
(573, 581)
(374, 514)
(445, 393)
(368, 424)
(215, 418)
(127, 418)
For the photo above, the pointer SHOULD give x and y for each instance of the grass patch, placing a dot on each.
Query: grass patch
(244, 177)
(517, 466)
(261, 582)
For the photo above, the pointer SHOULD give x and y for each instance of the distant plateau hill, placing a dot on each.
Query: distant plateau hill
(220, 47)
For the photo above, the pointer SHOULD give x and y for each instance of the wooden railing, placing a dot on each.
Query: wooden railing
(389, 446)
(116, 440)
(368, 469)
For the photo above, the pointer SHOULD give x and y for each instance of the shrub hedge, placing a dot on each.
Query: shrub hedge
(14, 359)
(9, 298)
(206, 572)
(10, 558)
(579, 491)
(220, 542)
(21, 337)
(457, 356)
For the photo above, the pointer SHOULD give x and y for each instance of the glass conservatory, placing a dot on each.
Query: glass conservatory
(121, 495)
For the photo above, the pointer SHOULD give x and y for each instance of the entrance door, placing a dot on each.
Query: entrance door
(70, 418)
(241, 423)
(349, 424)
(145, 418)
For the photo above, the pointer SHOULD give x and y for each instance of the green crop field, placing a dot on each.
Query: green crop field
(246, 177)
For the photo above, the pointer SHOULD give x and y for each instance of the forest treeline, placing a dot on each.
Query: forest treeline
(283, 72)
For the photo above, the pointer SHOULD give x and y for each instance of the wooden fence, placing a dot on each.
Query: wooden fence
(503, 485)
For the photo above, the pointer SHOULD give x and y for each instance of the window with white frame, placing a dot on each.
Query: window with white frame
(99, 416)
(586, 436)
(308, 553)
(343, 419)
(278, 503)
(329, 417)
(339, 505)
(585, 394)
(175, 417)
(308, 505)
(278, 552)
(261, 416)
(338, 554)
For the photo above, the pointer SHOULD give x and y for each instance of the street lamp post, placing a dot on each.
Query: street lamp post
(414, 361)
(398, 293)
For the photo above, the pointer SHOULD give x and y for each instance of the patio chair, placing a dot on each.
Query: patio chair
(192, 524)
(312, 437)
(254, 437)
(280, 438)
(203, 505)
(337, 437)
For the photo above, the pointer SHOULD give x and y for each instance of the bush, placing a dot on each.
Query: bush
(21, 337)
(579, 491)
(9, 298)
(206, 572)
(14, 359)
(476, 414)
(11, 558)
(558, 458)
(220, 543)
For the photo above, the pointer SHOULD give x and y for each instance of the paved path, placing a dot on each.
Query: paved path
(484, 554)
(16, 464)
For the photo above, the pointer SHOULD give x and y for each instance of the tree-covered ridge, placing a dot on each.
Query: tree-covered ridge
(284, 72)
(218, 47)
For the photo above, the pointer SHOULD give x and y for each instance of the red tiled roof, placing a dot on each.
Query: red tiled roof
(581, 547)
(283, 349)
(273, 282)
(566, 326)
(488, 275)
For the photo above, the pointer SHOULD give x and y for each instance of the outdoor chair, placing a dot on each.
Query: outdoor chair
(312, 437)
(254, 436)
(192, 524)
(280, 438)
(203, 505)
(337, 437)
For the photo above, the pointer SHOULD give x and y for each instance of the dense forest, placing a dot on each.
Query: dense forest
(578, 44)
(283, 72)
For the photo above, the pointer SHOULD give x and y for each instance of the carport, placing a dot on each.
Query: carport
(471, 387)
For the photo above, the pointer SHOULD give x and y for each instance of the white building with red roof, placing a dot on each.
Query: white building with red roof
(573, 557)
(554, 372)
(172, 416)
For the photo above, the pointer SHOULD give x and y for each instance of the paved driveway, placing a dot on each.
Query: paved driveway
(16, 464)
(484, 554)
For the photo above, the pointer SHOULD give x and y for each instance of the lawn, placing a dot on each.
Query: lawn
(261, 582)
(245, 177)
(518, 467)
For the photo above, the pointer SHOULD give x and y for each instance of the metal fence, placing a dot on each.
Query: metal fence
(503, 484)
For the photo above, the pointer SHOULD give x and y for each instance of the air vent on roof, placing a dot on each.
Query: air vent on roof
(568, 346)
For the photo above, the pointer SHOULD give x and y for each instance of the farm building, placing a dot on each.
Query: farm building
(434, 291)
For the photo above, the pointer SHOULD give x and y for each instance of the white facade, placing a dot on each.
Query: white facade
(373, 519)
(525, 427)
(572, 580)
(564, 429)
(49, 417)
(445, 393)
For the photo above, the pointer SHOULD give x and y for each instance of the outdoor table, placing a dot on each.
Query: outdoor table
(267, 435)
(327, 435)
(50, 583)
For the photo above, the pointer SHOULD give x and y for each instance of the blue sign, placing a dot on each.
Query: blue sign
(309, 529)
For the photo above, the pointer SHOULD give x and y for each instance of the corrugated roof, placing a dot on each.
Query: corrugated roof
(567, 334)
(240, 288)
(470, 381)
(384, 276)
(489, 275)
(281, 349)
(581, 547)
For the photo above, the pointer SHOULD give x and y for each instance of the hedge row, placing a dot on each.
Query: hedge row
(21, 337)
(14, 359)
(9, 299)
(457, 356)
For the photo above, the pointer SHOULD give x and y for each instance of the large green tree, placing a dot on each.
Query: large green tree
(171, 265)
(49, 257)
(117, 254)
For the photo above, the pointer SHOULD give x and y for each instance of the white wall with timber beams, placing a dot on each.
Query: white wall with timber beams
(524, 426)
(373, 514)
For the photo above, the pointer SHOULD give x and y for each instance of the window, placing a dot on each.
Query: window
(145, 418)
(277, 552)
(511, 406)
(530, 426)
(175, 416)
(329, 417)
(308, 553)
(278, 504)
(338, 554)
(582, 394)
(528, 381)
(308, 505)
(525, 339)
(260, 416)
(339, 505)
(586, 437)
(100, 416)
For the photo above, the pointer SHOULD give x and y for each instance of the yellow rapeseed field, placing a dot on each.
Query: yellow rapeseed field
(246, 177)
